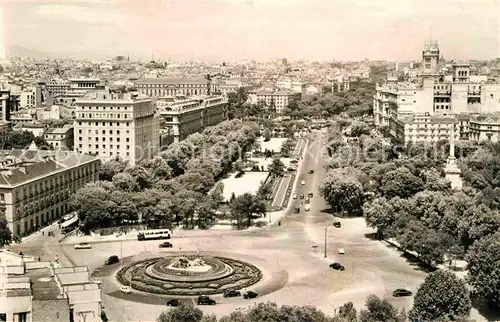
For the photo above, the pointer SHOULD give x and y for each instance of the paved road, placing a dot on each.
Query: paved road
(281, 191)
(291, 256)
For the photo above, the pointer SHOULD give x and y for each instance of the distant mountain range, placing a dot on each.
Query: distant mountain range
(18, 51)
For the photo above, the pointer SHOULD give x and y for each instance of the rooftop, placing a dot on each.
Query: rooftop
(18, 166)
(60, 130)
(43, 285)
(106, 96)
(73, 278)
(172, 81)
(51, 310)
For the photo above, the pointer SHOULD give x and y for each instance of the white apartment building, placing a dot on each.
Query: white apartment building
(31, 97)
(292, 85)
(279, 99)
(110, 125)
(484, 127)
(183, 116)
(423, 128)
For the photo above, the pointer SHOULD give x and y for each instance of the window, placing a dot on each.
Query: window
(97, 146)
(80, 131)
(79, 138)
(128, 147)
(80, 146)
(127, 139)
(103, 131)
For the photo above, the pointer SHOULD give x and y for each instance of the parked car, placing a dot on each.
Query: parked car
(173, 302)
(337, 266)
(337, 224)
(341, 251)
(401, 292)
(250, 295)
(302, 182)
(83, 246)
(310, 194)
(301, 196)
(307, 201)
(112, 260)
(126, 289)
(166, 245)
(296, 210)
(294, 197)
(97, 281)
(205, 300)
(232, 293)
(307, 207)
(311, 171)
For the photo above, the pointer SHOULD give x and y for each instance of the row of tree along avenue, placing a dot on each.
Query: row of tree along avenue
(178, 185)
(402, 192)
(442, 297)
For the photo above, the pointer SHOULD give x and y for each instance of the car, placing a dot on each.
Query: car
(341, 251)
(232, 293)
(302, 182)
(401, 292)
(294, 161)
(205, 300)
(301, 196)
(166, 245)
(113, 259)
(311, 171)
(337, 266)
(307, 201)
(307, 207)
(97, 281)
(294, 197)
(83, 246)
(126, 289)
(337, 224)
(250, 295)
(173, 302)
(310, 195)
(296, 210)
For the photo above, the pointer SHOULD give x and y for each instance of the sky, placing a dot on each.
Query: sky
(322, 30)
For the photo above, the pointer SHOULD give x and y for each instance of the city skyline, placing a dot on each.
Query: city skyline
(219, 30)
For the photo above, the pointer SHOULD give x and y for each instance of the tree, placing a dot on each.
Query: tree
(483, 265)
(348, 313)
(358, 129)
(5, 234)
(276, 168)
(441, 295)
(343, 190)
(110, 168)
(182, 313)
(245, 207)
(380, 214)
(266, 134)
(400, 182)
(378, 310)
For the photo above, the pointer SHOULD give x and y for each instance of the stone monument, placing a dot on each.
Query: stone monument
(451, 170)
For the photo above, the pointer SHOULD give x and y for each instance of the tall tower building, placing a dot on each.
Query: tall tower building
(111, 125)
(430, 57)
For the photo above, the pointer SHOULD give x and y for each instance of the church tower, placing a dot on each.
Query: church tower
(430, 57)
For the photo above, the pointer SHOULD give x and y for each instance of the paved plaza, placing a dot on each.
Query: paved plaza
(290, 256)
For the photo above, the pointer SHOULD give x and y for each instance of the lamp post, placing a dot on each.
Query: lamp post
(326, 231)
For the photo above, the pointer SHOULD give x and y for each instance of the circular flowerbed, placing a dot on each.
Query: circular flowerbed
(188, 275)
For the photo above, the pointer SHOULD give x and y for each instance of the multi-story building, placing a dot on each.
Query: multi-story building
(186, 116)
(424, 128)
(484, 127)
(60, 137)
(292, 85)
(436, 93)
(35, 185)
(159, 87)
(34, 291)
(111, 125)
(279, 99)
(31, 97)
(8, 104)
(57, 86)
(84, 85)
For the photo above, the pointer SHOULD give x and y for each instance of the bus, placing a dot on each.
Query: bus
(69, 224)
(153, 234)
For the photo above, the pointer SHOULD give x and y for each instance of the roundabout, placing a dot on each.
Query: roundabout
(188, 275)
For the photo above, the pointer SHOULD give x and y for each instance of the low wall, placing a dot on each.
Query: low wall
(111, 230)
(37, 265)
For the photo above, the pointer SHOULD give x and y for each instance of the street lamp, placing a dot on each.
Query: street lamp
(326, 231)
